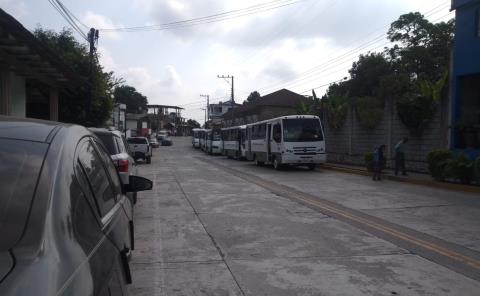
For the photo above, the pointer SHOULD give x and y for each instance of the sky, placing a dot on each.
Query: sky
(305, 45)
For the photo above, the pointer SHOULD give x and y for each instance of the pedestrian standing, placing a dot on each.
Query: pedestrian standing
(378, 161)
(400, 157)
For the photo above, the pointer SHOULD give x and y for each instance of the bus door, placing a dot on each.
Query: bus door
(269, 139)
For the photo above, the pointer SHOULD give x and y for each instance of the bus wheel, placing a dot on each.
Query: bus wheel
(258, 163)
(276, 164)
(311, 166)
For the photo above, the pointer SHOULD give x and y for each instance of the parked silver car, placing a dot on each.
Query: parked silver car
(119, 151)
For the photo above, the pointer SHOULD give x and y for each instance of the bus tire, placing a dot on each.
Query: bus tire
(311, 167)
(276, 165)
(257, 163)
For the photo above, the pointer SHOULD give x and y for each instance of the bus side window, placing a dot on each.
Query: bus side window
(277, 133)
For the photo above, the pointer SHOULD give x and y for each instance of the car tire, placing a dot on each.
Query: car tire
(149, 159)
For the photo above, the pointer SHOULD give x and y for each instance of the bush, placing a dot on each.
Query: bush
(416, 112)
(436, 160)
(369, 161)
(459, 168)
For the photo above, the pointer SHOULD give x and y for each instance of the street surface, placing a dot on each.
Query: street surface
(215, 226)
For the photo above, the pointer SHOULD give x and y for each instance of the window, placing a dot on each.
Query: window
(120, 145)
(302, 130)
(112, 170)
(137, 141)
(109, 142)
(277, 133)
(97, 177)
(21, 163)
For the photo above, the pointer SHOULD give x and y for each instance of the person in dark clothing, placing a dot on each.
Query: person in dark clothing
(378, 161)
(400, 157)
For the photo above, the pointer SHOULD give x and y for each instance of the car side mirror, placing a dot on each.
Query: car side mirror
(137, 183)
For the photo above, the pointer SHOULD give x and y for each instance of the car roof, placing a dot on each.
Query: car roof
(99, 130)
(28, 129)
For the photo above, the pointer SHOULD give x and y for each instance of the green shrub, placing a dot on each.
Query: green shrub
(369, 161)
(459, 168)
(436, 160)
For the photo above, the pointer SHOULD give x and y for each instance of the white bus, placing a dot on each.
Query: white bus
(196, 138)
(213, 141)
(231, 141)
(287, 140)
(234, 142)
(202, 139)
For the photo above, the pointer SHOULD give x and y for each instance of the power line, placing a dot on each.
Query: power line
(68, 17)
(314, 71)
(209, 19)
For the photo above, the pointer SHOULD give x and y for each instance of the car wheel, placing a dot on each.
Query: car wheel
(149, 159)
(276, 165)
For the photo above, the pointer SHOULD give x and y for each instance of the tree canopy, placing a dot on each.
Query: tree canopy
(90, 103)
(253, 96)
(193, 123)
(128, 95)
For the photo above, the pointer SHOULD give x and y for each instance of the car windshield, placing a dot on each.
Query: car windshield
(137, 141)
(21, 162)
(302, 130)
(109, 142)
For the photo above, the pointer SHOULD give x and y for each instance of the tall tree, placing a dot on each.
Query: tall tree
(193, 123)
(128, 95)
(73, 103)
(253, 96)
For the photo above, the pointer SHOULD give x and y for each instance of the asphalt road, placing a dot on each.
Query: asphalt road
(214, 226)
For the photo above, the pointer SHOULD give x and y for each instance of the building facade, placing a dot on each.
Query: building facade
(466, 77)
(31, 75)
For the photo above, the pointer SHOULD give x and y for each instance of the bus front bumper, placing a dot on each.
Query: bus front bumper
(303, 159)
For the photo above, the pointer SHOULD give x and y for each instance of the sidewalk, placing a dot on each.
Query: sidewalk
(412, 178)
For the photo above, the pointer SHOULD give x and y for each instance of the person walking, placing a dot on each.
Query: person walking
(378, 161)
(400, 157)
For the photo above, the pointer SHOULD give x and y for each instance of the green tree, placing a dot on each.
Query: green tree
(366, 74)
(253, 96)
(128, 95)
(423, 48)
(193, 123)
(73, 103)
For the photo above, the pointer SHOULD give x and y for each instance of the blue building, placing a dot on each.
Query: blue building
(466, 77)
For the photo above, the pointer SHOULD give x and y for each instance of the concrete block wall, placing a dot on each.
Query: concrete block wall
(349, 144)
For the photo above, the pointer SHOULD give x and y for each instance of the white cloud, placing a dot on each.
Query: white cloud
(106, 59)
(99, 21)
(16, 8)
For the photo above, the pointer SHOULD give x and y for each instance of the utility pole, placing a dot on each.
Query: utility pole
(92, 41)
(205, 121)
(208, 105)
(232, 99)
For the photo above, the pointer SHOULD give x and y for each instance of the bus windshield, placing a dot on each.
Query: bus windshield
(302, 130)
(216, 135)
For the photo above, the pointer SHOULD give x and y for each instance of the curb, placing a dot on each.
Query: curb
(428, 183)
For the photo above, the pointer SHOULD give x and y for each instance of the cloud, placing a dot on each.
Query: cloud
(279, 70)
(99, 21)
(106, 59)
(172, 79)
(16, 8)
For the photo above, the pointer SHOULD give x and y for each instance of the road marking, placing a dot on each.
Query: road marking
(347, 215)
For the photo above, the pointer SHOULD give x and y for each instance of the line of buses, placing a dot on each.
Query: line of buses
(296, 140)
